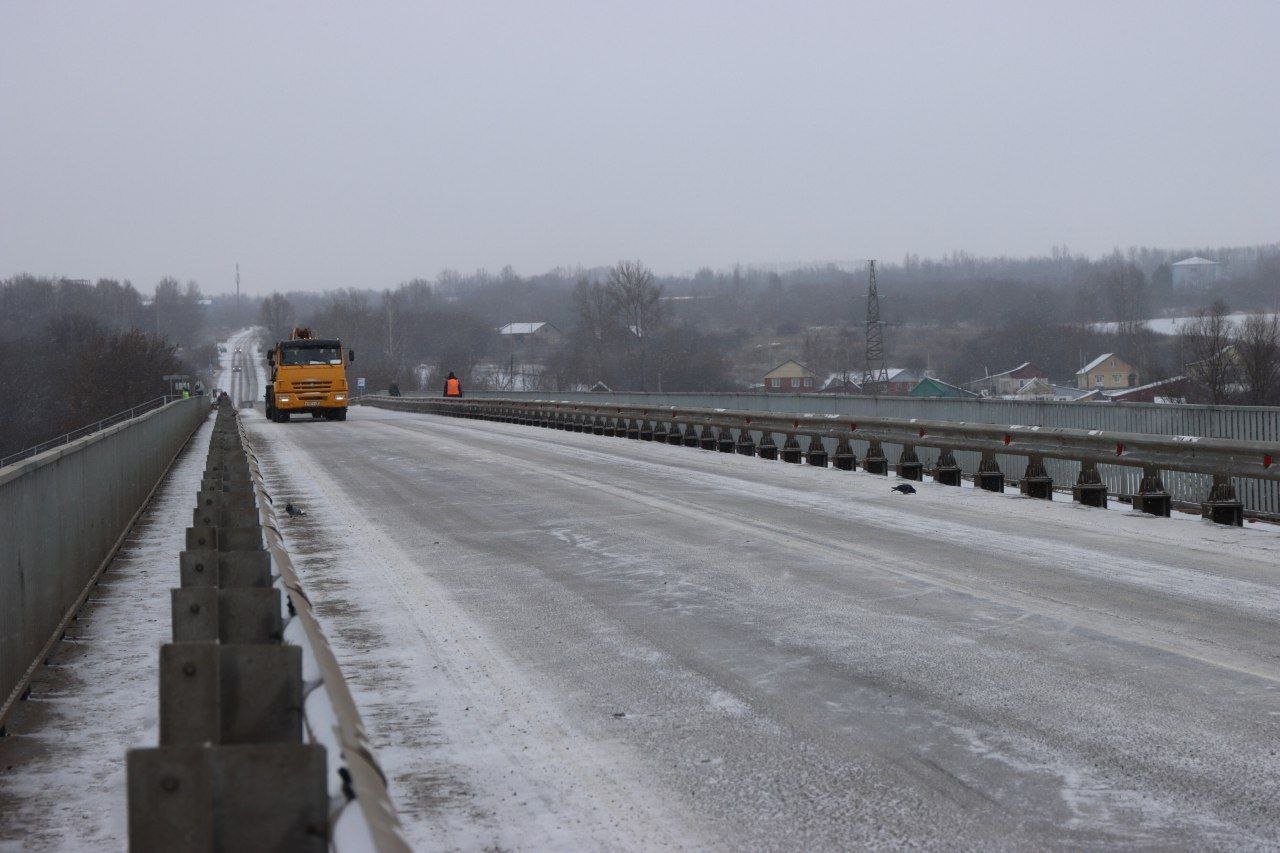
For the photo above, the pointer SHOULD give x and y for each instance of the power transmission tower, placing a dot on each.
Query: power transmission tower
(874, 374)
(239, 316)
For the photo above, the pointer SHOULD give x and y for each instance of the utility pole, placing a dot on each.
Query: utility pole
(239, 316)
(874, 374)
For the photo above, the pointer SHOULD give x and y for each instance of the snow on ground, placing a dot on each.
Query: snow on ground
(476, 757)
(62, 770)
(799, 656)
(1170, 325)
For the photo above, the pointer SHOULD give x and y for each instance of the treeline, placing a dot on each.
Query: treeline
(77, 352)
(960, 315)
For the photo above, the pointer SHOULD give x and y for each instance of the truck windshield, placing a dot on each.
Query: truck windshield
(310, 355)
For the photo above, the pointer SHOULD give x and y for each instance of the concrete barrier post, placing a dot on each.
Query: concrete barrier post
(745, 446)
(791, 451)
(1036, 482)
(1222, 506)
(844, 458)
(945, 470)
(1152, 497)
(909, 466)
(767, 450)
(1089, 488)
(875, 461)
(989, 477)
(816, 454)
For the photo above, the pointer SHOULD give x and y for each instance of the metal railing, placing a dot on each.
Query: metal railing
(261, 746)
(1221, 459)
(81, 432)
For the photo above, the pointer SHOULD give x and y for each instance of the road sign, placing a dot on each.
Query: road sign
(360, 383)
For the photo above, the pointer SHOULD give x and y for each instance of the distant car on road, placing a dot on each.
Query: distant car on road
(237, 349)
(235, 369)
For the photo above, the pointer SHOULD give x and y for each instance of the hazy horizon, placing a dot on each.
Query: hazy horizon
(322, 146)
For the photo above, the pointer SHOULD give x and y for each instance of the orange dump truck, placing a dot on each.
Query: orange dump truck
(308, 375)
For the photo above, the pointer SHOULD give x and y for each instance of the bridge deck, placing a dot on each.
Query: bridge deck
(562, 639)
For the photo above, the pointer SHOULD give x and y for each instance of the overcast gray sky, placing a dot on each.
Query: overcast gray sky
(324, 145)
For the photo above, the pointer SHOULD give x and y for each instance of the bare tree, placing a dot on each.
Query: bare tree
(637, 299)
(1257, 352)
(277, 315)
(1208, 351)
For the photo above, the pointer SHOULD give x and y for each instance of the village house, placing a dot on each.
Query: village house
(840, 383)
(902, 380)
(930, 387)
(1043, 389)
(1107, 372)
(1172, 390)
(528, 336)
(1007, 382)
(790, 377)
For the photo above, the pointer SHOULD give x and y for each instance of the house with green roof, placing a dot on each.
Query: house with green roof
(930, 387)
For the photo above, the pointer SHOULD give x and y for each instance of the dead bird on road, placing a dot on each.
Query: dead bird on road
(905, 489)
(294, 511)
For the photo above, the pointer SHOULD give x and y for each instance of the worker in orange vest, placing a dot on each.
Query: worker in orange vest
(452, 387)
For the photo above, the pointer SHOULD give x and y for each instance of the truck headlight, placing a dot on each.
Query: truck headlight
(338, 398)
(284, 398)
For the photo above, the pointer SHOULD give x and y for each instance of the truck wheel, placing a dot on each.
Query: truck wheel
(340, 415)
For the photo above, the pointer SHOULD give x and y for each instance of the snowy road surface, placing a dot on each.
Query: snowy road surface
(564, 640)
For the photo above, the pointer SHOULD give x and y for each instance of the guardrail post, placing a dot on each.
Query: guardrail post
(659, 434)
(875, 462)
(1223, 507)
(674, 436)
(708, 439)
(767, 450)
(817, 452)
(600, 427)
(945, 470)
(791, 449)
(1089, 488)
(989, 476)
(690, 438)
(1036, 482)
(645, 431)
(230, 771)
(745, 445)
(844, 458)
(632, 429)
(724, 440)
(909, 466)
(1152, 497)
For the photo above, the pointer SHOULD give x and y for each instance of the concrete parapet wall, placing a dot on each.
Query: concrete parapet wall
(63, 514)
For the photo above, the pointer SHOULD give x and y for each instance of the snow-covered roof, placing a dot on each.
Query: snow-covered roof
(520, 328)
(1197, 261)
(833, 378)
(1091, 365)
(1119, 392)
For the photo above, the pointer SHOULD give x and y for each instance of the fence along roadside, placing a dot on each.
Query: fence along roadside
(1221, 459)
(261, 746)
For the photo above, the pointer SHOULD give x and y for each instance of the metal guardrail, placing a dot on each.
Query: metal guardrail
(81, 432)
(1249, 423)
(261, 746)
(1222, 459)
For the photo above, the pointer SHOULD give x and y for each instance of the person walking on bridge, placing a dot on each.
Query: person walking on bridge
(452, 386)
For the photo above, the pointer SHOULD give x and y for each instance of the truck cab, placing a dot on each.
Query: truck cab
(308, 376)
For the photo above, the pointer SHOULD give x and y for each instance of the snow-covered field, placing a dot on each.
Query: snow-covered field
(1169, 325)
